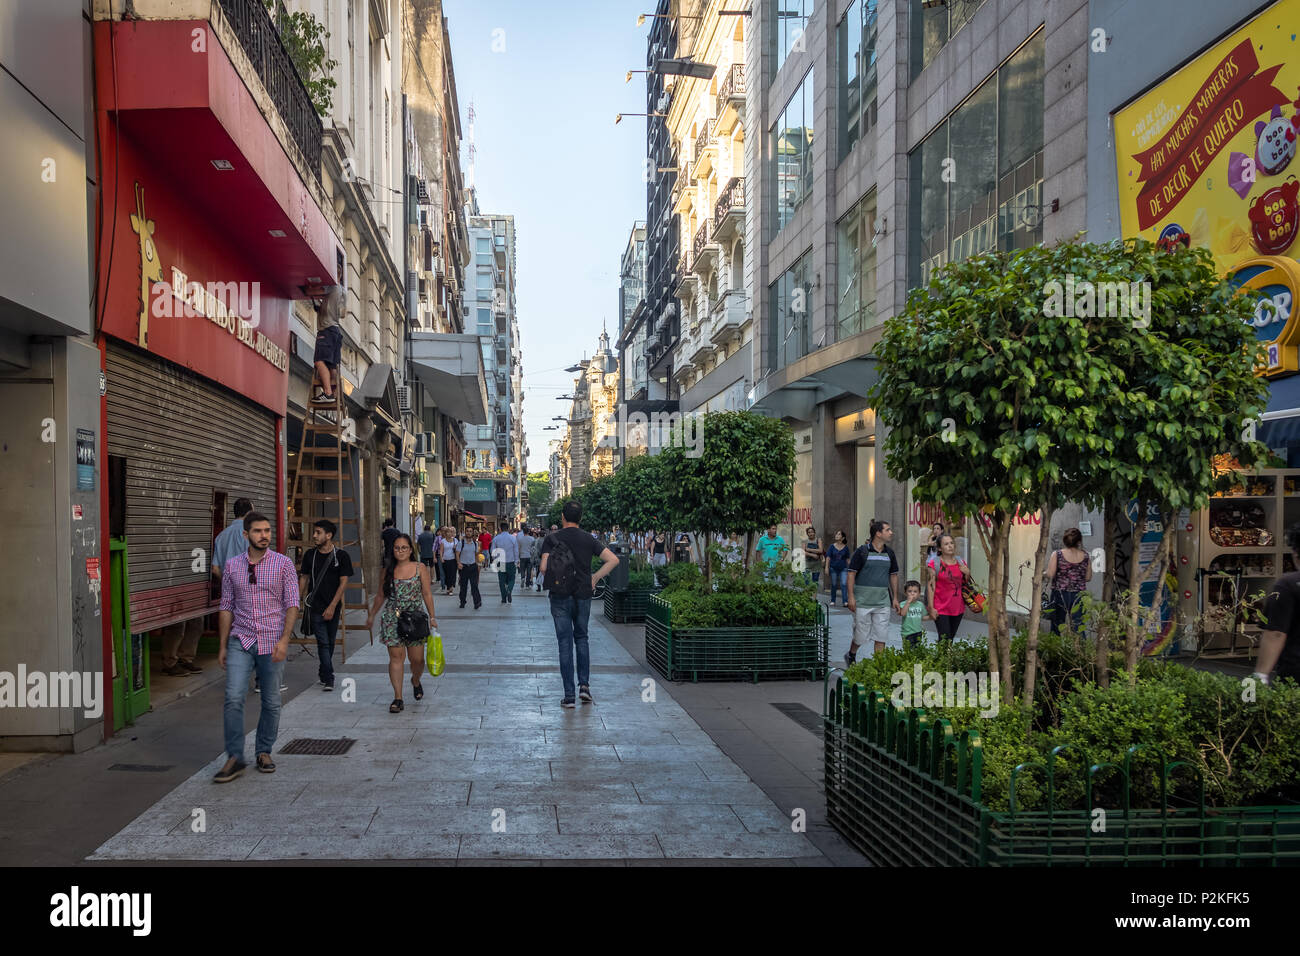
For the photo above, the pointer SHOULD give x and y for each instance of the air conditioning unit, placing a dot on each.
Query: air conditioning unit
(424, 445)
(662, 105)
(403, 398)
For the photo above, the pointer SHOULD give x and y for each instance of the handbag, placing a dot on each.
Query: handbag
(412, 626)
(970, 593)
(433, 655)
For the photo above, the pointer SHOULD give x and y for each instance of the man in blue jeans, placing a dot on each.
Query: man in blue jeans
(570, 595)
(322, 581)
(259, 605)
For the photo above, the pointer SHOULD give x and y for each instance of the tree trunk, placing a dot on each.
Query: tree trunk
(1134, 594)
(1111, 535)
(1036, 605)
(1004, 639)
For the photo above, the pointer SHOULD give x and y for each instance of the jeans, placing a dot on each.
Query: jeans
(526, 571)
(239, 664)
(571, 615)
(325, 632)
(469, 578)
(449, 574)
(506, 580)
(840, 582)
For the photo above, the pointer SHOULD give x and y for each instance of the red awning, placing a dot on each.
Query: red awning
(470, 514)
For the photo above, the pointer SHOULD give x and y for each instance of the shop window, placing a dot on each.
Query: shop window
(790, 314)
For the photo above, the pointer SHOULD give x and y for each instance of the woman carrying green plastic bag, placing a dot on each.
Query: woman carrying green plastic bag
(433, 654)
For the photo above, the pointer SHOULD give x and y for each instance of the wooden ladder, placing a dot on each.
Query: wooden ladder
(324, 485)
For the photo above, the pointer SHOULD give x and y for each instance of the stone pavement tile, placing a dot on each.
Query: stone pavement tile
(444, 749)
(191, 846)
(285, 821)
(412, 846)
(597, 734)
(156, 824)
(520, 771)
(649, 818)
(697, 863)
(498, 862)
(622, 863)
(352, 793)
(668, 751)
(476, 819)
(746, 845)
(654, 774)
(806, 797)
(562, 750)
(724, 791)
(559, 794)
(576, 846)
(431, 735)
(763, 818)
(721, 769)
(404, 721)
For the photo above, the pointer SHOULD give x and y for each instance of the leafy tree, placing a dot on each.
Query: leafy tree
(740, 481)
(304, 38)
(998, 402)
(640, 498)
(539, 493)
(597, 499)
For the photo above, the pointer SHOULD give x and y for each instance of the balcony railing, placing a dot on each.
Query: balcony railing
(701, 239)
(704, 140)
(262, 45)
(732, 87)
(732, 198)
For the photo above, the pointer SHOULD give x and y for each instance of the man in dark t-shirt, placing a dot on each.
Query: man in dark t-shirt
(1279, 645)
(572, 612)
(322, 580)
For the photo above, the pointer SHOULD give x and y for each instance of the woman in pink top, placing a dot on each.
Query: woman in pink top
(945, 579)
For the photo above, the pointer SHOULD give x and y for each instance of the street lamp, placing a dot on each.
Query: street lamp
(619, 117)
(685, 67)
(641, 17)
(564, 398)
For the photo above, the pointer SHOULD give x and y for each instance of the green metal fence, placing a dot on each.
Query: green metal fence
(627, 607)
(735, 653)
(905, 790)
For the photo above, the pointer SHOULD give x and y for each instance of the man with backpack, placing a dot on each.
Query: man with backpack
(566, 570)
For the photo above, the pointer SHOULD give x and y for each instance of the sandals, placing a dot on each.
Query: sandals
(418, 689)
(264, 764)
(396, 706)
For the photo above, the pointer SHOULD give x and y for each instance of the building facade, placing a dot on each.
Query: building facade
(53, 609)
(706, 123)
(494, 456)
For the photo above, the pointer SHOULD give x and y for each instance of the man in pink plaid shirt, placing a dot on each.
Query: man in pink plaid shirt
(259, 605)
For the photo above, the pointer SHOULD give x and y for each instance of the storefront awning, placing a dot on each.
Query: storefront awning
(378, 393)
(795, 390)
(451, 367)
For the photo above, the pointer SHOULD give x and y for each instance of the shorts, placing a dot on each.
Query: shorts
(871, 624)
(329, 346)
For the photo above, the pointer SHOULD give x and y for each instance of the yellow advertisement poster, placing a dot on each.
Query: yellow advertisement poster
(1207, 157)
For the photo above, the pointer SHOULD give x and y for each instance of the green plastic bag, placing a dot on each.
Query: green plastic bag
(433, 654)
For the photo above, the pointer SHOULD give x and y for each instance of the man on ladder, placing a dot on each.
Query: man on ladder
(329, 347)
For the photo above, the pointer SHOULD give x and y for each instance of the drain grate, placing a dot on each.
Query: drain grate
(318, 746)
(142, 767)
(804, 716)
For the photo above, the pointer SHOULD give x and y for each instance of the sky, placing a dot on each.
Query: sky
(546, 80)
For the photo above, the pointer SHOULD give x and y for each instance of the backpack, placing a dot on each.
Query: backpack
(563, 565)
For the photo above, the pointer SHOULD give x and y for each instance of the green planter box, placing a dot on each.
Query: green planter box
(624, 607)
(906, 792)
(734, 653)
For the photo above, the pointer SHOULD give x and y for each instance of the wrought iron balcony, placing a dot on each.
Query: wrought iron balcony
(262, 45)
(729, 210)
(704, 251)
(705, 149)
(730, 103)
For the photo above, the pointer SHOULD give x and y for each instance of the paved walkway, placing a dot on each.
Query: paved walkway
(486, 767)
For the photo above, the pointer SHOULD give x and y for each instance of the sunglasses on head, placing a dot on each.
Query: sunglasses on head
(252, 574)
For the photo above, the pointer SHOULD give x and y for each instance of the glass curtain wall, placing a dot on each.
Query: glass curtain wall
(791, 19)
(976, 182)
(856, 43)
(855, 308)
(790, 153)
(932, 28)
(790, 299)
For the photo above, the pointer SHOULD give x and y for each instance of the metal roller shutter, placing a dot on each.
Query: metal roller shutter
(183, 438)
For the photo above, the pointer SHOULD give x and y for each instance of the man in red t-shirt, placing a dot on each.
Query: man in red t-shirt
(485, 544)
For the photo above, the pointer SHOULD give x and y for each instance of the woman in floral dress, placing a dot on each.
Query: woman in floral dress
(406, 588)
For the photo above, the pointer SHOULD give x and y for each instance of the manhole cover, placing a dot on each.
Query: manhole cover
(142, 767)
(318, 746)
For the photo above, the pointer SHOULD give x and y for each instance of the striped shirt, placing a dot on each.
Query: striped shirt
(259, 609)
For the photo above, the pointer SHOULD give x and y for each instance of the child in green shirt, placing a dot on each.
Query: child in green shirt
(914, 612)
